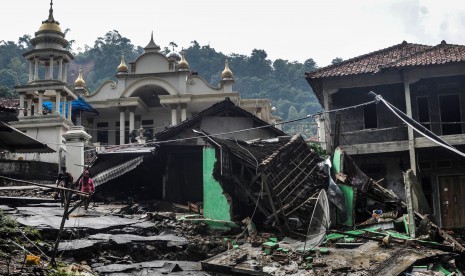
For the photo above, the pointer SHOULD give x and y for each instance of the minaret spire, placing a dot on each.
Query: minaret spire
(50, 12)
(50, 18)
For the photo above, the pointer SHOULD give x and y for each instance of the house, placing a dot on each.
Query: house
(170, 166)
(425, 82)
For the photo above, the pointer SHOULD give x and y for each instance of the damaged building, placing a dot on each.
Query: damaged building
(425, 82)
(172, 168)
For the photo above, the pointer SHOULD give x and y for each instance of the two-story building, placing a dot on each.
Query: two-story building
(425, 82)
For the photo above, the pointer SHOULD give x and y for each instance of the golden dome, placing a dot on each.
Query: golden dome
(50, 24)
(122, 68)
(79, 81)
(227, 73)
(183, 63)
(50, 27)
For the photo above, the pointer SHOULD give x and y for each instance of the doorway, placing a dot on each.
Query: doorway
(452, 205)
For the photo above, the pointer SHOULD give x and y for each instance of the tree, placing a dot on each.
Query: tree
(336, 60)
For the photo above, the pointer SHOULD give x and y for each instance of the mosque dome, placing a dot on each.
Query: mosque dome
(79, 81)
(174, 55)
(50, 24)
(183, 65)
(227, 73)
(122, 68)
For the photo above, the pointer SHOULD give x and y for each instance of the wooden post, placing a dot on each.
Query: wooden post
(63, 220)
(410, 209)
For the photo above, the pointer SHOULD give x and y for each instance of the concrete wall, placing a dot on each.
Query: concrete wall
(388, 166)
(152, 63)
(214, 125)
(28, 170)
(352, 121)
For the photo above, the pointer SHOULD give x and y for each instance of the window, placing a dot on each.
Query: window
(370, 117)
(102, 133)
(423, 112)
(449, 106)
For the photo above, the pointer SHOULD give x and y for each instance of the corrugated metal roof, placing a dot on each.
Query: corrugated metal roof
(14, 140)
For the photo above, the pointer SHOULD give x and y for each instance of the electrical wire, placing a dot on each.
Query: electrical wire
(259, 194)
(155, 142)
(424, 131)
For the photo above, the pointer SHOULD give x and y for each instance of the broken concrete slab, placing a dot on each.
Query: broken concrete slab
(7, 209)
(127, 238)
(24, 200)
(120, 239)
(27, 187)
(115, 268)
(50, 217)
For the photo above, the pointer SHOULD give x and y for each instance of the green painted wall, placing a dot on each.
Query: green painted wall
(337, 157)
(215, 204)
(349, 196)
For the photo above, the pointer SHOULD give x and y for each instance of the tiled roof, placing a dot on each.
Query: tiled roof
(369, 63)
(394, 57)
(440, 54)
(9, 104)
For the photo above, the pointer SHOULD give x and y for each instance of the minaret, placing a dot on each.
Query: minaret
(227, 78)
(48, 66)
(79, 85)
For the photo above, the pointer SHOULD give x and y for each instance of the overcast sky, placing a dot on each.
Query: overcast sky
(290, 29)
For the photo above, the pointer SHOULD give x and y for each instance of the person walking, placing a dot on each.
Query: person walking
(86, 185)
(65, 180)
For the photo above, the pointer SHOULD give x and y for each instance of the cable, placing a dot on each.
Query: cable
(416, 126)
(259, 194)
(154, 142)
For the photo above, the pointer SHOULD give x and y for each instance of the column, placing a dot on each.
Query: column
(121, 125)
(41, 102)
(411, 138)
(29, 105)
(52, 100)
(50, 76)
(131, 109)
(183, 112)
(35, 102)
(63, 105)
(60, 69)
(65, 72)
(36, 68)
(31, 72)
(174, 118)
(57, 103)
(21, 105)
(70, 108)
(76, 139)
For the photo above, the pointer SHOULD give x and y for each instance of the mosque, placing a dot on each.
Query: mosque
(154, 92)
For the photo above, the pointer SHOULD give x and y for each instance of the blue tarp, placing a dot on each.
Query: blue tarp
(79, 105)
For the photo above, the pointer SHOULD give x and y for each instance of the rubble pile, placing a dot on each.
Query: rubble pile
(292, 212)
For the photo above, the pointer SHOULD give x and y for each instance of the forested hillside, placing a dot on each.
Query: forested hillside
(256, 76)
